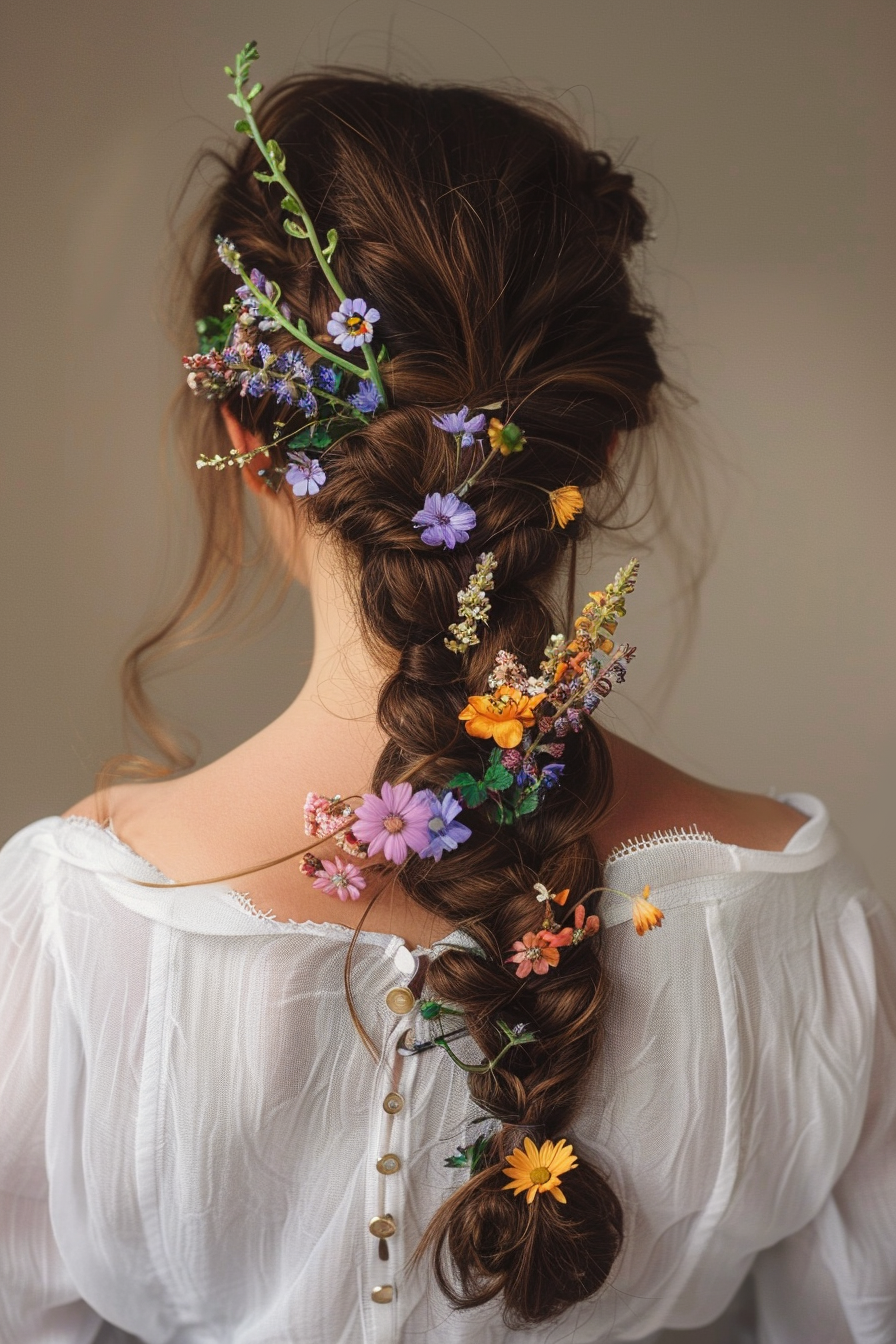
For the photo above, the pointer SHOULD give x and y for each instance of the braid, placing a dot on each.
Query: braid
(495, 243)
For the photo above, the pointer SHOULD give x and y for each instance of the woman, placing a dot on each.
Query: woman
(231, 1112)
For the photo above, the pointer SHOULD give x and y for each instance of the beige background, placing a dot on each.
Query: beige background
(761, 134)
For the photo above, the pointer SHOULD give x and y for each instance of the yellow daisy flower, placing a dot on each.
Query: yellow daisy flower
(566, 502)
(644, 915)
(537, 1171)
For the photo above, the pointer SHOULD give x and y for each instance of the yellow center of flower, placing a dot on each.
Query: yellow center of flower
(539, 1175)
(393, 825)
(355, 324)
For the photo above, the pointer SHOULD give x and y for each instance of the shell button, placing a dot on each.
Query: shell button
(383, 1225)
(392, 1103)
(383, 1293)
(388, 1164)
(400, 1000)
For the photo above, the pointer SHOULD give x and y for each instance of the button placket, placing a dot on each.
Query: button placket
(387, 1164)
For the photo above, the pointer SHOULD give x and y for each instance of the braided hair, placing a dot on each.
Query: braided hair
(496, 245)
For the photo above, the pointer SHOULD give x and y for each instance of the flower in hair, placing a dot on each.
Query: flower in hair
(565, 502)
(645, 916)
(473, 605)
(534, 952)
(445, 831)
(306, 475)
(505, 439)
(351, 324)
(584, 926)
(367, 398)
(394, 822)
(340, 879)
(461, 424)
(228, 254)
(445, 521)
(503, 715)
(537, 1171)
(557, 897)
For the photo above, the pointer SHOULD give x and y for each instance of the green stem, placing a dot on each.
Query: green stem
(471, 480)
(284, 182)
(272, 311)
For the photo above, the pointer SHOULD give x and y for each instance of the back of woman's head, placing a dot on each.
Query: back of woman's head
(494, 243)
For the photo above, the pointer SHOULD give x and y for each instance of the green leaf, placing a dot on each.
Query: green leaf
(497, 777)
(235, 98)
(472, 790)
(504, 816)
(291, 204)
(242, 126)
(291, 227)
(332, 240)
(527, 804)
(213, 333)
(228, 71)
(276, 156)
(253, 92)
(264, 177)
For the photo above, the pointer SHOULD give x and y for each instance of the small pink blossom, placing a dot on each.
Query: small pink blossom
(341, 879)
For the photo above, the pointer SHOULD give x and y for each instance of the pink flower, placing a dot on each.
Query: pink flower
(341, 879)
(395, 822)
(535, 952)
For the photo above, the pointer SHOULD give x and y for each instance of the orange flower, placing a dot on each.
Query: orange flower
(505, 439)
(537, 1171)
(585, 928)
(534, 952)
(502, 716)
(566, 502)
(644, 915)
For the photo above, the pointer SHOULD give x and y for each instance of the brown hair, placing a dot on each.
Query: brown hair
(495, 244)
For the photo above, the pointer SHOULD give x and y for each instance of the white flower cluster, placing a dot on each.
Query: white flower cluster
(473, 605)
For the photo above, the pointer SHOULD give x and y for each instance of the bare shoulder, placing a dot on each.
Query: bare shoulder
(651, 795)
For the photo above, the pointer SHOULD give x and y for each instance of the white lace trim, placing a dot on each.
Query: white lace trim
(245, 902)
(675, 836)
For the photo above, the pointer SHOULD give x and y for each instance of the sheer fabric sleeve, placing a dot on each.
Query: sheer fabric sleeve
(835, 1280)
(39, 1303)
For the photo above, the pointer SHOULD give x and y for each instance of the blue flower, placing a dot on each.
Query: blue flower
(306, 475)
(550, 774)
(255, 385)
(367, 397)
(444, 831)
(308, 403)
(325, 377)
(459, 424)
(445, 521)
(352, 323)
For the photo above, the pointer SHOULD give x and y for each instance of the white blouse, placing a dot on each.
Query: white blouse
(193, 1140)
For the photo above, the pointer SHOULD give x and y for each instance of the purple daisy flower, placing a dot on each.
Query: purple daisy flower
(550, 774)
(459, 424)
(367, 398)
(445, 521)
(395, 822)
(352, 323)
(445, 832)
(306, 475)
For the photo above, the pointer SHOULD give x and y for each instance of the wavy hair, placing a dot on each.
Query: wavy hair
(496, 245)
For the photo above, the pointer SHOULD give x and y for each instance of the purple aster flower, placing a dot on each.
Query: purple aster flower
(306, 475)
(459, 424)
(228, 254)
(395, 822)
(352, 323)
(445, 521)
(445, 832)
(325, 377)
(367, 397)
(550, 774)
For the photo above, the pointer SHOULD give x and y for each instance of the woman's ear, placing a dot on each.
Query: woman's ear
(243, 441)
